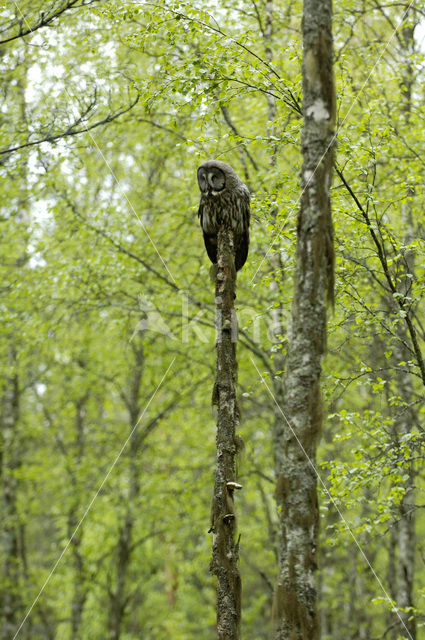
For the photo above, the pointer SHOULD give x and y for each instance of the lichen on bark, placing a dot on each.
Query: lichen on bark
(295, 599)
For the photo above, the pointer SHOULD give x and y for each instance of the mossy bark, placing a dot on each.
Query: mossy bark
(295, 598)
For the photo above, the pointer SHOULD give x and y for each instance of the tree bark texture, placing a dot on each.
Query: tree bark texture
(225, 553)
(294, 606)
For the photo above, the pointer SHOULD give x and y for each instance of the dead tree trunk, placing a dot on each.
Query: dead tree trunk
(295, 606)
(224, 562)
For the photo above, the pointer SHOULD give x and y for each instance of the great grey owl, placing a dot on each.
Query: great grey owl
(224, 201)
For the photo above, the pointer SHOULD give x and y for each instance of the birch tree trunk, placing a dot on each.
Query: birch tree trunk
(224, 562)
(295, 606)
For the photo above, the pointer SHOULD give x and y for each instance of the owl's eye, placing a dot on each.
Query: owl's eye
(216, 180)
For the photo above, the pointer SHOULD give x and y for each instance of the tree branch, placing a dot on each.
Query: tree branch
(72, 130)
(44, 21)
(399, 298)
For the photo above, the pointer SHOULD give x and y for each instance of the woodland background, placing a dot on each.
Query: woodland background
(107, 313)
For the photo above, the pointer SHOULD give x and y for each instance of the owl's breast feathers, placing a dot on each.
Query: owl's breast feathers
(233, 211)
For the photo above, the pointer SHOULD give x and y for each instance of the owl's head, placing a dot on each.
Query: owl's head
(214, 176)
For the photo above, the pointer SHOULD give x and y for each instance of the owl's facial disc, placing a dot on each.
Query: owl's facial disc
(216, 181)
(211, 180)
(202, 180)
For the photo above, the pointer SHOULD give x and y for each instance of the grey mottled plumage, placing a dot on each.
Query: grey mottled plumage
(224, 201)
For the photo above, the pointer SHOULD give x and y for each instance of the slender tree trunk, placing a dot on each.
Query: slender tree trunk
(392, 551)
(10, 598)
(80, 586)
(406, 564)
(10, 444)
(362, 622)
(118, 596)
(79, 595)
(295, 606)
(405, 422)
(277, 277)
(225, 553)
(406, 418)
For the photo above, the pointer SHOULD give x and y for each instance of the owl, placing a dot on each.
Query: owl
(224, 201)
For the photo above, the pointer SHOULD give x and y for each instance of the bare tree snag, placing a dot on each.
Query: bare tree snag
(295, 598)
(225, 553)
